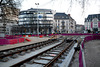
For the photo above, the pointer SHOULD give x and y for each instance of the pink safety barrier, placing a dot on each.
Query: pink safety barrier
(77, 34)
(11, 39)
(32, 35)
(12, 36)
(4, 41)
(65, 34)
(80, 59)
(86, 39)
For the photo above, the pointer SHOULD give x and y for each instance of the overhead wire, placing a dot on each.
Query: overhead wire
(47, 3)
(70, 7)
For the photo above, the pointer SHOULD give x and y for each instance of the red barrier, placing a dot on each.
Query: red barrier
(29, 35)
(24, 35)
(41, 36)
(13, 41)
(27, 39)
(21, 40)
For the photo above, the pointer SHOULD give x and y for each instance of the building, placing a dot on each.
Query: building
(92, 22)
(64, 23)
(79, 28)
(34, 21)
(8, 18)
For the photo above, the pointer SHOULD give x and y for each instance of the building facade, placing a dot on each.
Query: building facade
(79, 28)
(92, 22)
(64, 23)
(32, 19)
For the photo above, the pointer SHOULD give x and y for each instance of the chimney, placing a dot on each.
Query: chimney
(68, 14)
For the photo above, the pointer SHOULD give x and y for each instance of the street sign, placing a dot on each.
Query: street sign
(40, 16)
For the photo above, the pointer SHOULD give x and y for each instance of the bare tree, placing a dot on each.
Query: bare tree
(8, 8)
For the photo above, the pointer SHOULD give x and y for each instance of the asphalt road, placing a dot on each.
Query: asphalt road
(92, 53)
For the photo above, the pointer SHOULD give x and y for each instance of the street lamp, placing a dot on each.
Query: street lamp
(37, 19)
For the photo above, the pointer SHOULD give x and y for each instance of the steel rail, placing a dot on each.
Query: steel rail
(26, 60)
(55, 59)
(19, 51)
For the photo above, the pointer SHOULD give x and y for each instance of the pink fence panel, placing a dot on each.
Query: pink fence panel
(77, 34)
(4, 42)
(80, 59)
(88, 38)
(20, 35)
(10, 37)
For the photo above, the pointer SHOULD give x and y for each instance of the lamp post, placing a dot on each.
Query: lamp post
(37, 19)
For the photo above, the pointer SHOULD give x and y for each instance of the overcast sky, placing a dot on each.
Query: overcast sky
(75, 9)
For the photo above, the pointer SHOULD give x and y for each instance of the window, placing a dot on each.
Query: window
(58, 20)
(21, 16)
(95, 23)
(95, 26)
(7, 29)
(62, 17)
(24, 12)
(28, 12)
(63, 23)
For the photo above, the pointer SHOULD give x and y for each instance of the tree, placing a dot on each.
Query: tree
(8, 8)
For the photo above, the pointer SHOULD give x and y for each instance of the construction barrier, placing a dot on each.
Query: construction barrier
(28, 39)
(21, 40)
(8, 38)
(41, 36)
(4, 41)
(13, 41)
(24, 35)
(29, 35)
(81, 52)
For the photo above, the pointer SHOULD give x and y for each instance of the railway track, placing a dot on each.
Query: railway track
(13, 53)
(46, 54)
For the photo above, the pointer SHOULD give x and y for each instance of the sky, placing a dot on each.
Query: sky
(73, 8)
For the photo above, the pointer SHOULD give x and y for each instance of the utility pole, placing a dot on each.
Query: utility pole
(37, 19)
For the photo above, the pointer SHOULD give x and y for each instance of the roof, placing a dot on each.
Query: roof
(35, 9)
(31, 10)
(92, 16)
(61, 16)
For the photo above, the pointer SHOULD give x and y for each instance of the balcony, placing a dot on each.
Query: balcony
(62, 25)
(2, 27)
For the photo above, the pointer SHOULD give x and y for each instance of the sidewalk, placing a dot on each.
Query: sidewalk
(92, 53)
(33, 40)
